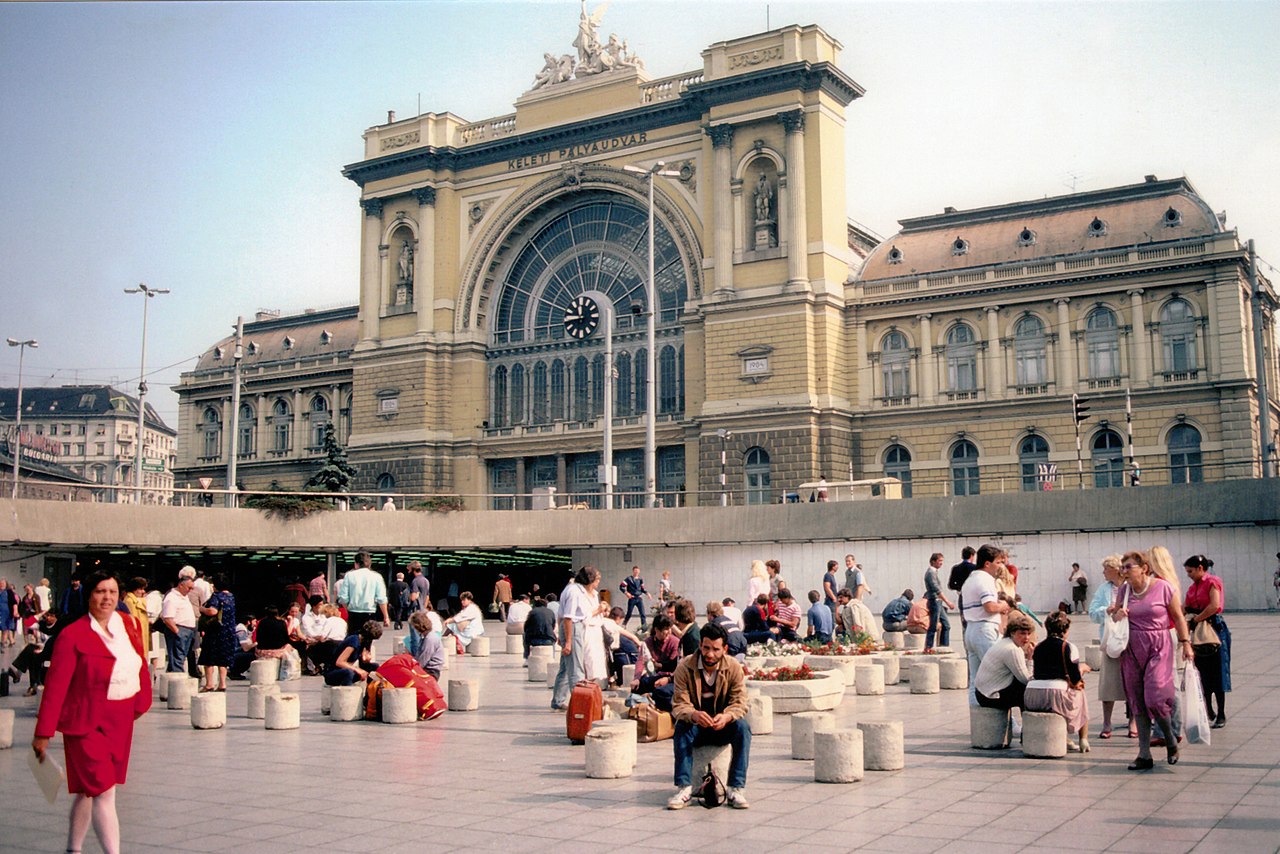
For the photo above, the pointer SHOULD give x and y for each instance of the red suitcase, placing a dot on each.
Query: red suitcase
(586, 706)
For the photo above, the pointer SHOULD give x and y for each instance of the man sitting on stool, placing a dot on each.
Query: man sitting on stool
(710, 707)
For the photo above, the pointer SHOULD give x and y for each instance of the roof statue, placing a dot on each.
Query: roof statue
(593, 57)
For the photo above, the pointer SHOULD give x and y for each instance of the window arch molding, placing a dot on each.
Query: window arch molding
(757, 475)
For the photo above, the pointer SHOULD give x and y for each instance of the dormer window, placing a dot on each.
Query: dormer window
(1097, 228)
(253, 348)
(325, 336)
(895, 255)
(1172, 218)
(960, 246)
(288, 343)
(217, 353)
(1026, 237)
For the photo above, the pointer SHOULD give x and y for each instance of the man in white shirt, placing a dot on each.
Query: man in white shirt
(983, 610)
(362, 590)
(517, 614)
(203, 587)
(578, 602)
(44, 594)
(179, 619)
(732, 611)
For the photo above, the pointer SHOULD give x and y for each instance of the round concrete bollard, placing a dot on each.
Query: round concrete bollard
(912, 642)
(399, 705)
(540, 653)
(326, 699)
(870, 679)
(924, 677)
(515, 644)
(479, 647)
(837, 756)
(892, 668)
(162, 682)
(284, 711)
(1093, 657)
(257, 700)
(760, 714)
(179, 692)
(988, 728)
(628, 675)
(209, 711)
(450, 652)
(348, 703)
(400, 645)
(607, 752)
(553, 670)
(264, 671)
(6, 728)
(882, 746)
(1044, 735)
(537, 670)
(953, 673)
(628, 727)
(464, 695)
(803, 726)
(718, 756)
(894, 639)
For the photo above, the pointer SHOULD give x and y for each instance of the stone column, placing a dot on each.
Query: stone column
(928, 368)
(797, 223)
(299, 425)
(995, 355)
(863, 368)
(722, 206)
(1140, 375)
(371, 269)
(261, 416)
(335, 408)
(1066, 348)
(521, 503)
(562, 475)
(424, 284)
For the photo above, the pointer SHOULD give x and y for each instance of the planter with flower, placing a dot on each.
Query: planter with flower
(773, 654)
(798, 688)
(843, 656)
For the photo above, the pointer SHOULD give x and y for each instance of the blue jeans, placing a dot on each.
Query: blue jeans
(635, 603)
(573, 668)
(938, 623)
(179, 649)
(688, 736)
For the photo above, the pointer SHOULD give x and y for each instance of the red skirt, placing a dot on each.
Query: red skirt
(99, 759)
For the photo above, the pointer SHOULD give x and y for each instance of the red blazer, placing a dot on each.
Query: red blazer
(78, 677)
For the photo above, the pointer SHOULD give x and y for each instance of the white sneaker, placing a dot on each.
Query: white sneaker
(680, 799)
(737, 798)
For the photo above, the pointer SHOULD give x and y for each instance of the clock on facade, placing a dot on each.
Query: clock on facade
(581, 317)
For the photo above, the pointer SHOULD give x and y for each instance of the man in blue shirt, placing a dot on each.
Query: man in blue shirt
(829, 588)
(895, 613)
(821, 623)
(362, 590)
(633, 587)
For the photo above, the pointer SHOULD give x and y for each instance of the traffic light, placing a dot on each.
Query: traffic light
(1078, 405)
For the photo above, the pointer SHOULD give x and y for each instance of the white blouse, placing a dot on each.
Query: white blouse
(125, 683)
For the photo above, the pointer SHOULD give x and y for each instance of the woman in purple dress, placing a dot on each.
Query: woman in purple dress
(1147, 663)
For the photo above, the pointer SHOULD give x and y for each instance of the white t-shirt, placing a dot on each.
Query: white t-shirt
(178, 608)
(733, 612)
(473, 616)
(576, 604)
(979, 589)
(335, 629)
(518, 612)
(43, 595)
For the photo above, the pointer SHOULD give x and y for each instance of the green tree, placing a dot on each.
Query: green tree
(336, 474)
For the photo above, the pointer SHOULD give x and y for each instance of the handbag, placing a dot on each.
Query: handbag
(1115, 633)
(1204, 640)
(711, 790)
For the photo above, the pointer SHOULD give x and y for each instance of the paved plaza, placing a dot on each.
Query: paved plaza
(505, 778)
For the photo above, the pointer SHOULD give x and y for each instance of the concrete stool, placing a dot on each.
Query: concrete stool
(553, 670)
(718, 756)
(400, 645)
(264, 671)
(179, 691)
(912, 642)
(209, 711)
(953, 673)
(894, 639)
(803, 726)
(537, 670)
(399, 705)
(515, 644)
(326, 698)
(924, 677)
(628, 675)
(882, 746)
(464, 695)
(6, 728)
(760, 714)
(1093, 657)
(257, 702)
(617, 706)
(284, 711)
(988, 728)
(837, 756)
(479, 647)
(540, 653)
(607, 752)
(162, 682)
(1044, 735)
(870, 679)
(627, 726)
(348, 703)
(892, 667)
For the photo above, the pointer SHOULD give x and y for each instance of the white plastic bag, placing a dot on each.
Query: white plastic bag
(1115, 633)
(1195, 715)
(290, 665)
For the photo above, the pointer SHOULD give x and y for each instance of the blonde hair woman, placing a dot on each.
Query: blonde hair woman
(1110, 681)
(758, 582)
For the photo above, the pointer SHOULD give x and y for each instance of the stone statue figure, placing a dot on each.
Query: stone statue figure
(592, 56)
(764, 199)
(554, 70)
(587, 42)
(406, 263)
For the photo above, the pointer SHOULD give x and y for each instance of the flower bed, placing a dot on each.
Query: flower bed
(775, 649)
(819, 691)
(783, 674)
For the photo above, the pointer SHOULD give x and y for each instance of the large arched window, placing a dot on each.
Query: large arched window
(248, 429)
(897, 463)
(756, 473)
(211, 425)
(1029, 352)
(895, 366)
(281, 426)
(1032, 454)
(1178, 337)
(517, 394)
(1184, 455)
(668, 381)
(597, 385)
(1102, 344)
(538, 394)
(642, 373)
(581, 389)
(622, 391)
(319, 418)
(1108, 460)
(962, 359)
(499, 396)
(965, 473)
(386, 483)
(559, 397)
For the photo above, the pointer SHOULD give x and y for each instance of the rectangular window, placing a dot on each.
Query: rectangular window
(1104, 359)
(100, 448)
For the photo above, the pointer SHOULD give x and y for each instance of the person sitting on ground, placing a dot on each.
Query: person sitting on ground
(710, 707)
(733, 612)
(737, 642)
(622, 645)
(1005, 671)
(686, 627)
(821, 623)
(787, 617)
(517, 614)
(1057, 683)
(896, 612)
(844, 613)
(468, 623)
(293, 623)
(355, 658)
(424, 644)
(755, 621)
(664, 653)
(539, 626)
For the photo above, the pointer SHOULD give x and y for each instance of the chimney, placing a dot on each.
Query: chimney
(948, 209)
(391, 117)
(1151, 179)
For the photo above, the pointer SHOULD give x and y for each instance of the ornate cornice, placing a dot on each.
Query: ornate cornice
(792, 121)
(425, 195)
(721, 135)
(372, 207)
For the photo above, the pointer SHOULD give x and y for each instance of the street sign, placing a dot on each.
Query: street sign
(153, 465)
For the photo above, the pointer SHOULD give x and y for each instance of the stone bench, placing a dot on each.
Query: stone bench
(464, 695)
(760, 714)
(209, 711)
(895, 639)
(912, 642)
(718, 756)
(347, 703)
(515, 644)
(479, 647)
(326, 698)
(180, 690)
(540, 653)
(1093, 657)
(283, 711)
(164, 680)
(988, 728)
(628, 675)
(892, 665)
(399, 705)
(844, 664)
(608, 751)
(264, 671)
(882, 748)
(924, 677)
(629, 752)
(256, 704)
(537, 669)
(837, 756)
(6, 728)
(803, 726)
(1044, 735)
(870, 679)
(953, 673)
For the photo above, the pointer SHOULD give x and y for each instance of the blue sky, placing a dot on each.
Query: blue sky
(197, 146)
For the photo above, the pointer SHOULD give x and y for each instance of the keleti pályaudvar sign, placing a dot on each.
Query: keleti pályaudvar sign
(577, 150)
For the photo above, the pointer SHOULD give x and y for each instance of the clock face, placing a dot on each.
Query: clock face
(581, 317)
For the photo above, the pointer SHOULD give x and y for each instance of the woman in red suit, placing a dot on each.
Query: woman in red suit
(96, 687)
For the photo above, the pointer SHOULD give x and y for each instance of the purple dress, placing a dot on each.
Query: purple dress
(1147, 663)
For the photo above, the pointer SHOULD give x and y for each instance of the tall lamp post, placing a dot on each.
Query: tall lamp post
(17, 430)
(147, 294)
(606, 452)
(650, 358)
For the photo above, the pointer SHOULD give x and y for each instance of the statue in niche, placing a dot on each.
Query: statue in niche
(764, 199)
(404, 284)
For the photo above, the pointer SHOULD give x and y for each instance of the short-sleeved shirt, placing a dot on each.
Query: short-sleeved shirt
(979, 588)
(575, 604)
(1198, 594)
(365, 590)
(820, 619)
(829, 579)
(177, 607)
(422, 587)
(789, 613)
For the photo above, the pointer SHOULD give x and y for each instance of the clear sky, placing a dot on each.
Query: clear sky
(197, 146)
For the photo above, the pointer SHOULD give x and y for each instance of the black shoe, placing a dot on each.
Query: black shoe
(1174, 755)
(1141, 764)
(1219, 722)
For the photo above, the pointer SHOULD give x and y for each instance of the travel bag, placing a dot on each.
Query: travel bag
(586, 706)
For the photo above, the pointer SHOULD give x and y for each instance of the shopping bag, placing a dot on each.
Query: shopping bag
(1115, 633)
(1195, 714)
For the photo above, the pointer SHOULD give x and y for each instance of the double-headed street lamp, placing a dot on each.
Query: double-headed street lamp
(147, 294)
(17, 429)
(650, 374)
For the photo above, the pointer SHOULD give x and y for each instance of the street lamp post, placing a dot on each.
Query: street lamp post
(17, 429)
(147, 294)
(725, 436)
(606, 450)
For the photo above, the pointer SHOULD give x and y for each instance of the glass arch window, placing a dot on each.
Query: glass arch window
(499, 396)
(895, 365)
(1102, 344)
(248, 430)
(1033, 453)
(756, 470)
(581, 390)
(538, 395)
(1107, 452)
(1184, 455)
(642, 374)
(212, 428)
(597, 385)
(386, 483)
(965, 472)
(319, 418)
(517, 394)
(623, 395)
(897, 463)
(962, 359)
(281, 425)
(1178, 337)
(559, 395)
(1030, 364)
(668, 381)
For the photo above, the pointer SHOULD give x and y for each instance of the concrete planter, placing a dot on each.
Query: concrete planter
(823, 692)
(844, 664)
(772, 661)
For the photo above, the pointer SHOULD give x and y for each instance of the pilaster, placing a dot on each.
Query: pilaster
(798, 230)
(995, 355)
(1066, 348)
(722, 206)
(424, 261)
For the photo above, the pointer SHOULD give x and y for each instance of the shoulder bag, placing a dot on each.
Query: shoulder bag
(1115, 633)
(1204, 640)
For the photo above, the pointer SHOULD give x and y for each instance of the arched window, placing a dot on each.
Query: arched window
(581, 389)
(897, 463)
(499, 396)
(517, 394)
(346, 420)
(895, 366)
(668, 381)
(212, 428)
(1108, 460)
(1184, 455)
(622, 392)
(539, 393)
(1032, 454)
(965, 473)
(756, 472)
(642, 372)
(1102, 344)
(386, 483)
(281, 426)
(559, 397)
(597, 385)
(1029, 352)
(962, 359)
(319, 418)
(1178, 337)
(248, 429)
